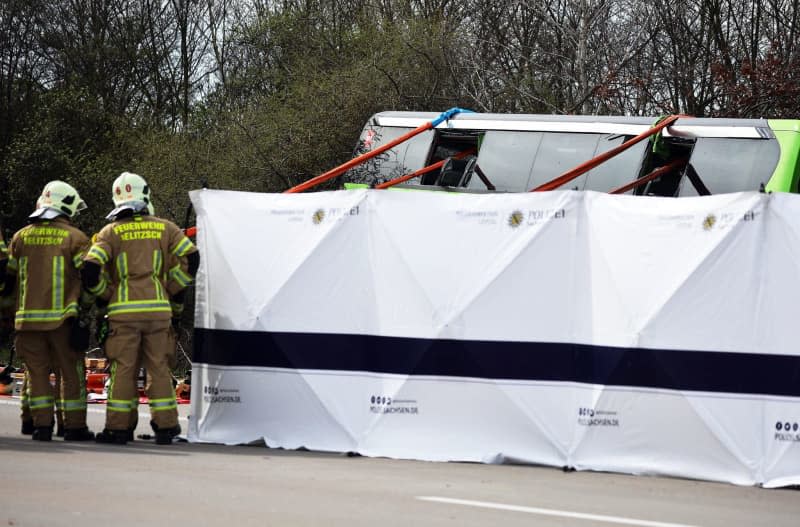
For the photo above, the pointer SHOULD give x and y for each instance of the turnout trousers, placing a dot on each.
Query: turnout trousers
(46, 351)
(25, 395)
(130, 345)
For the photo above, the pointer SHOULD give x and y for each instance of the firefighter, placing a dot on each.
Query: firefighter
(141, 253)
(44, 261)
(7, 317)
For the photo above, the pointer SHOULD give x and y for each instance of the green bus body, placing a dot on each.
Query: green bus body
(786, 175)
(517, 152)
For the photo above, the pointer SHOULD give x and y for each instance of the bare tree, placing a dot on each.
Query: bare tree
(21, 66)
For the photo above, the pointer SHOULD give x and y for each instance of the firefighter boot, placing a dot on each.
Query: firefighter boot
(164, 436)
(78, 434)
(116, 437)
(42, 433)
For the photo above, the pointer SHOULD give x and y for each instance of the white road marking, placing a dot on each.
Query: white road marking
(553, 512)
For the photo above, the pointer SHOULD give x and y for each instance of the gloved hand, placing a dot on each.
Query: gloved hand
(78, 335)
(176, 303)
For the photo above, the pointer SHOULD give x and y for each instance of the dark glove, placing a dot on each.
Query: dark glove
(78, 335)
(176, 303)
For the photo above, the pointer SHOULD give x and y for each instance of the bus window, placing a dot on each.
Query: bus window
(732, 165)
(395, 162)
(620, 169)
(560, 152)
(446, 144)
(419, 147)
(506, 159)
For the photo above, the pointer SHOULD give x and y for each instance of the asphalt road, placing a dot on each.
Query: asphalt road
(84, 484)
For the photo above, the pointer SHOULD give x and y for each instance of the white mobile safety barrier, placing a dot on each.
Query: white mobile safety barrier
(617, 333)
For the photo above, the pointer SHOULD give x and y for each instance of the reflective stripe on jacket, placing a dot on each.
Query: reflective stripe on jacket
(46, 257)
(141, 255)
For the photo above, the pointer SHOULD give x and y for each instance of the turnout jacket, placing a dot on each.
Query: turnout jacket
(46, 257)
(145, 260)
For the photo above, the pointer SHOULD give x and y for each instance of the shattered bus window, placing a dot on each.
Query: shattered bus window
(395, 162)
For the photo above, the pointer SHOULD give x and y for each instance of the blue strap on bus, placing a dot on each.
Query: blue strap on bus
(446, 115)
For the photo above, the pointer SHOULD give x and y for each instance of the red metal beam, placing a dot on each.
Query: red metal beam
(421, 171)
(581, 169)
(658, 172)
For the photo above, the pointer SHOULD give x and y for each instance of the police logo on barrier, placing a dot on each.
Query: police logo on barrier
(334, 214)
(515, 219)
(384, 404)
(215, 394)
(539, 216)
(787, 431)
(709, 221)
(597, 417)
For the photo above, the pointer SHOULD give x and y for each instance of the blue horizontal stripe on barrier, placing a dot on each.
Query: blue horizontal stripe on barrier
(705, 371)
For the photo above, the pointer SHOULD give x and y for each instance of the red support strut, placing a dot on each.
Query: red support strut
(658, 172)
(422, 171)
(581, 169)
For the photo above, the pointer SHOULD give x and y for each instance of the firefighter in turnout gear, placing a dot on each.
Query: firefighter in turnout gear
(44, 260)
(7, 324)
(142, 254)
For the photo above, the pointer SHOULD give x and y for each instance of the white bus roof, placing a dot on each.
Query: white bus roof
(689, 127)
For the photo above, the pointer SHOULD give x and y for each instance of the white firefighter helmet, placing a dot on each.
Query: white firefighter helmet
(58, 199)
(130, 192)
(129, 187)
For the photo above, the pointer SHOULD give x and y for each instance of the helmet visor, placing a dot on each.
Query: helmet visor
(135, 206)
(46, 213)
